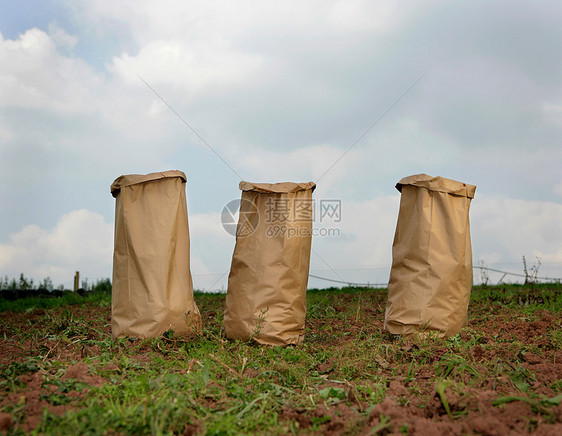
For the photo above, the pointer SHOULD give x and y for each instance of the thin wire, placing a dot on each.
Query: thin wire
(385, 284)
(515, 274)
(190, 128)
(371, 126)
(216, 281)
(347, 283)
(328, 265)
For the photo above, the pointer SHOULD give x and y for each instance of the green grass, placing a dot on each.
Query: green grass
(526, 297)
(336, 380)
(68, 299)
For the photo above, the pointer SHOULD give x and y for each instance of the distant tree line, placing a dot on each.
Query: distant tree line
(12, 289)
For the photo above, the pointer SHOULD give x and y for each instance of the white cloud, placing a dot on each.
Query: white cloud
(34, 75)
(81, 241)
(367, 231)
(505, 229)
(61, 38)
(211, 245)
(362, 15)
(192, 67)
(302, 165)
(217, 19)
(502, 229)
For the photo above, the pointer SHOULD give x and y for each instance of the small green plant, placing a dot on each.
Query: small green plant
(531, 274)
(556, 338)
(9, 377)
(440, 388)
(372, 394)
(521, 378)
(384, 426)
(557, 385)
(259, 323)
(333, 394)
(457, 368)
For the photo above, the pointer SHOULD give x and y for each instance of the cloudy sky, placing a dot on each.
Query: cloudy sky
(280, 90)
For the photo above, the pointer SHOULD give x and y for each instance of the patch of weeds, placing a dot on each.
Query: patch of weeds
(139, 405)
(541, 406)
(16, 410)
(67, 385)
(9, 376)
(28, 304)
(456, 367)
(321, 356)
(521, 377)
(555, 337)
(383, 427)
(160, 415)
(372, 394)
(413, 369)
(318, 421)
(333, 395)
(557, 385)
(128, 364)
(65, 325)
(16, 369)
(455, 341)
(521, 297)
(58, 397)
(358, 359)
(320, 310)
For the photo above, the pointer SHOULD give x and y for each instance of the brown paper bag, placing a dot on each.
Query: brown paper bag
(266, 297)
(431, 275)
(152, 287)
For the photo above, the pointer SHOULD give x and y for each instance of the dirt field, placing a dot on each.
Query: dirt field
(60, 372)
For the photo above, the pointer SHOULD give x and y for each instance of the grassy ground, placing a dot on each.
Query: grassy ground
(61, 373)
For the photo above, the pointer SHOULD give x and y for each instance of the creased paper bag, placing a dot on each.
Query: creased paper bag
(431, 275)
(152, 286)
(266, 297)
